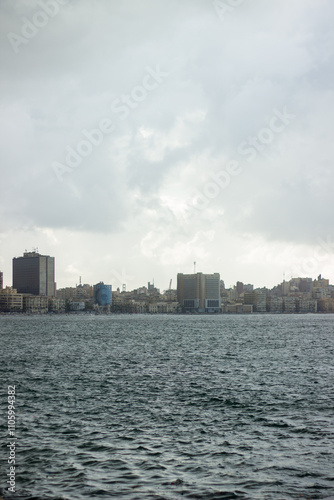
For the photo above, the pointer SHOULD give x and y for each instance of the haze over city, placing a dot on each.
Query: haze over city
(168, 133)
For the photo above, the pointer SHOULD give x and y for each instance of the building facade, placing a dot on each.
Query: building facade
(199, 292)
(257, 299)
(34, 274)
(102, 294)
(10, 300)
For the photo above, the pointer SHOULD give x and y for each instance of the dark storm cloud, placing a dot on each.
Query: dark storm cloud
(223, 78)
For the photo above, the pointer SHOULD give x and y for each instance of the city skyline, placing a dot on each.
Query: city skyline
(196, 293)
(165, 134)
(34, 255)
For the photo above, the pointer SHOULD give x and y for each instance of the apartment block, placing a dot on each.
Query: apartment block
(10, 300)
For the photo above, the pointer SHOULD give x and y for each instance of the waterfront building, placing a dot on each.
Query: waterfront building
(257, 299)
(34, 274)
(102, 294)
(10, 300)
(289, 304)
(199, 292)
(326, 305)
(77, 306)
(164, 307)
(35, 304)
(56, 305)
(276, 304)
(305, 305)
(234, 308)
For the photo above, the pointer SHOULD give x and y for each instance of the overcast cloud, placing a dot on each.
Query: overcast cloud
(215, 139)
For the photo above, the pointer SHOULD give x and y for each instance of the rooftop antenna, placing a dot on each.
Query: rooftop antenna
(194, 267)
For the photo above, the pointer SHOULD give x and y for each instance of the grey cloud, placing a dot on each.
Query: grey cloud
(224, 80)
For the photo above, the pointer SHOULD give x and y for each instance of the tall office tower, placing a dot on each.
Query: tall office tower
(199, 292)
(35, 274)
(1, 280)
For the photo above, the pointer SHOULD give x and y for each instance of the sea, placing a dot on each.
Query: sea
(169, 406)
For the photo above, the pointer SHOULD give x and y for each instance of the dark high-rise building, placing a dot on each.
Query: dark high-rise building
(35, 274)
(1, 280)
(199, 292)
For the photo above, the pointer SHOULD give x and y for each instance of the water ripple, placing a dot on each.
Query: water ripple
(142, 407)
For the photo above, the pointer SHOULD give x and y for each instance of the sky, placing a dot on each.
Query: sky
(140, 137)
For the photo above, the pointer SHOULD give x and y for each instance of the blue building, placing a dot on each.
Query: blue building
(102, 294)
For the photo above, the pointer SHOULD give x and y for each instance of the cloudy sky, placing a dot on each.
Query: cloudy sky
(140, 136)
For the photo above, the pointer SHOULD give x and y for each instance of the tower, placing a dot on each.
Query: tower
(199, 292)
(35, 274)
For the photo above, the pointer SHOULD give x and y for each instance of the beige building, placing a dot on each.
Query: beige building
(326, 305)
(35, 304)
(10, 300)
(307, 305)
(80, 292)
(289, 305)
(257, 299)
(56, 305)
(164, 307)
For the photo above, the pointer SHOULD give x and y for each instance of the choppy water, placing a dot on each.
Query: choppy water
(169, 407)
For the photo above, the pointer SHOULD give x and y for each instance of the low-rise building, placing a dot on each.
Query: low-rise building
(77, 305)
(305, 305)
(233, 308)
(10, 300)
(247, 308)
(35, 304)
(326, 305)
(163, 307)
(258, 299)
(276, 305)
(289, 305)
(56, 305)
